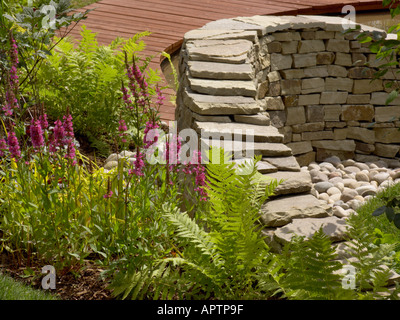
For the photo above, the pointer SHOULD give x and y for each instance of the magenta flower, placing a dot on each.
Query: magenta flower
(138, 164)
(3, 147)
(173, 149)
(149, 141)
(122, 128)
(43, 121)
(13, 145)
(108, 195)
(36, 134)
(58, 136)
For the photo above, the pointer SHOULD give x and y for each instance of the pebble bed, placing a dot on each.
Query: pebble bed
(347, 184)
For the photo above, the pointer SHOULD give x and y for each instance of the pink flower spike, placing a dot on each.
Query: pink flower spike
(3, 147)
(13, 145)
(36, 134)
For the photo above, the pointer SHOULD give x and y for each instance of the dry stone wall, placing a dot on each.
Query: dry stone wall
(300, 74)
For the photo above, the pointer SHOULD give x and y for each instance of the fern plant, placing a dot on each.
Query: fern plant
(221, 255)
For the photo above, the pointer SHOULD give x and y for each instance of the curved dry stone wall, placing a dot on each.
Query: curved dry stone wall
(298, 81)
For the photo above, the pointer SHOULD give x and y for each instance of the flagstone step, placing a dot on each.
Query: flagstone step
(281, 211)
(221, 71)
(224, 87)
(292, 182)
(241, 149)
(283, 163)
(237, 131)
(220, 105)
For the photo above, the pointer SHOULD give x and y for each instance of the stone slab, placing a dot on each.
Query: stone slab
(223, 87)
(334, 227)
(220, 105)
(221, 71)
(283, 163)
(293, 182)
(281, 211)
(241, 130)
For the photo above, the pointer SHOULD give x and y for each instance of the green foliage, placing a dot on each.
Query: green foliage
(221, 254)
(311, 271)
(11, 289)
(391, 208)
(87, 80)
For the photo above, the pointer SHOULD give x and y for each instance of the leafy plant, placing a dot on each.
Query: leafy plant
(87, 80)
(219, 255)
(391, 208)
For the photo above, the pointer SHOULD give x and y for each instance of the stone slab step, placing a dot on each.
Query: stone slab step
(262, 119)
(293, 182)
(227, 51)
(220, 71)
(262, 167)
(283, 163)
(237, 131)
(334, 227)
(242, 149)
(281, 211)
(223, 87)
(220, 105)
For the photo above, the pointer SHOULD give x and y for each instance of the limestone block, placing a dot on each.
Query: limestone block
(387, 135)
(333, 97)
(337, 71)
(227, 51)
(386, 150)
(358, 99)
(358, 112)
(296, 137)
(387, 114)
(289, 47)
(278, 118)
(292, 74)
(338, 84)
(300, 147)
(202, 118)
(308, 35)
(223, 87)
(366, 86)
(287, 133)
(325, 58)
(315, 113)
(262, 89)
(379, 98)
(312, 85)
(337, 45)
(307, 46)
(291, 101)
(361, 134)
(219, 105)
(293, 182)
(332, 112)
(306, 158)
(222, 71)
(304, 60)
(334, 227)
(340, 133)
(274, 89)
(292, 86)
(284, 163)
(295, 115)
(364, 147)
(309, 99)
(280, 61)
(359, 59)
(286, 36)
(258, 119)
(335, 124)
(361, 73)
(319, 71)
(274, 47)
(274, 76)
(321, 34)
(274, 103)
(317, 135)
(355, 45)
(343, 59)
(340, 145)
(308, 127)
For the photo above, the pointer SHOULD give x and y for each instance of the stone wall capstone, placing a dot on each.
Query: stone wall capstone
(300, 74)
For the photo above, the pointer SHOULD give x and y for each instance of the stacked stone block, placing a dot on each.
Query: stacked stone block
(301, 74)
